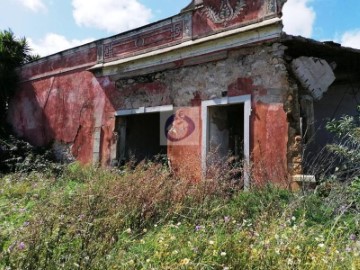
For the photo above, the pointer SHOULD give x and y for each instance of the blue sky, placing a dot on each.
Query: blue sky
(54, 25)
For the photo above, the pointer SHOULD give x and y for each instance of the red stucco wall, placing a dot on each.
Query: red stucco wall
(71, 107)
(60, 100)
(268, 134)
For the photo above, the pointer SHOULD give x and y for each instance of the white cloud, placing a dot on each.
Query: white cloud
(298, 17)
(351, 38)
(34, 5)
(53, 43)
(111, 15)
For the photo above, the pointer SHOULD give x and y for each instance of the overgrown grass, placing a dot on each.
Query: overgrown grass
(146, 218)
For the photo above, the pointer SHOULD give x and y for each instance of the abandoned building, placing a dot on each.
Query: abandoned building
(219, 78)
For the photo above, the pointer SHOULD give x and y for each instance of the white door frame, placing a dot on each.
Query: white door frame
(246, 100)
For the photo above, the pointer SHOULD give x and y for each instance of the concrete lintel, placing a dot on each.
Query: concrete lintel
(172, 65)
(163, 108)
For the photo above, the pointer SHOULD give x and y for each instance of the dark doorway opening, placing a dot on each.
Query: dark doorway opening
(226, 132)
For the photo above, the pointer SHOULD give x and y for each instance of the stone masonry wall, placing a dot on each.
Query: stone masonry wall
(259, 71)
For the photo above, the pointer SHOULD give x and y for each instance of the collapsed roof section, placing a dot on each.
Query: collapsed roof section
(344, 61)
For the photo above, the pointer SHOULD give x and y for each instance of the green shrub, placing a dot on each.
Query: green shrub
(346, 147)
(17, 155)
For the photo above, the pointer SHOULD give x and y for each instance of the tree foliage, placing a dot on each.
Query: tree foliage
(13, 53)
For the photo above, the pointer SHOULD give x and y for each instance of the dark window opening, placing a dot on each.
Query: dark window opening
(139, 137)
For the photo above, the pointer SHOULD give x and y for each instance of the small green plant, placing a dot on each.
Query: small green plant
(346, 147)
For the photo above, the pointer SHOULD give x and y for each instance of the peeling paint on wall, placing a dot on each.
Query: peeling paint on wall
(213, 50)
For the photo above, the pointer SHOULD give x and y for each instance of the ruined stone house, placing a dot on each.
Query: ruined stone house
(224, 68)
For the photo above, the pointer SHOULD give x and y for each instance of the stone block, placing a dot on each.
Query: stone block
(314, 74)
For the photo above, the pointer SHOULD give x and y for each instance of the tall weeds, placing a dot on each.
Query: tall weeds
(144, 217)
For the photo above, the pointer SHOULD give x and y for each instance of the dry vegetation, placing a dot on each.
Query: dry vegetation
(145, 218)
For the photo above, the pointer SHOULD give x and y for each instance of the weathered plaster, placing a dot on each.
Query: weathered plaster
(78, 109)
(244, 71)
(64, 108)
(214, 15)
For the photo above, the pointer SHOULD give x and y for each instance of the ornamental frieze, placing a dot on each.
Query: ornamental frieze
(225, 13)
(171, 31)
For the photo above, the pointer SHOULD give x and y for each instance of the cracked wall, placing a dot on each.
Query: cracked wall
(63, 109)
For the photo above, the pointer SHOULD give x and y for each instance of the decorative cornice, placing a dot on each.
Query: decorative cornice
(197, 50)
(176, 29)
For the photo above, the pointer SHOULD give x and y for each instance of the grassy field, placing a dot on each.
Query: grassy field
(145, 218)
